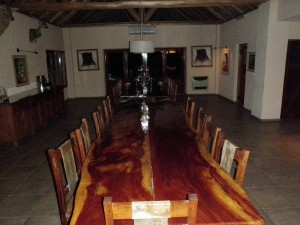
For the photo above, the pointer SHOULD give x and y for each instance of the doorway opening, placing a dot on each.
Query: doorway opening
(242, 73)
(164, 62)
(291, 89)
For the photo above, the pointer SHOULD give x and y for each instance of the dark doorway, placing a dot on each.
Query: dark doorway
(242, 73)
(291, 89)
(164, 62)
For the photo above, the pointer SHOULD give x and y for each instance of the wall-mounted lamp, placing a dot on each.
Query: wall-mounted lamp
(20, 50)
(34, 34)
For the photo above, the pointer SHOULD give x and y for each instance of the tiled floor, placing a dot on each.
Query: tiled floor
(27, 195)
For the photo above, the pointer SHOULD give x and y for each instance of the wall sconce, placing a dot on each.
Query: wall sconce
(34, 34)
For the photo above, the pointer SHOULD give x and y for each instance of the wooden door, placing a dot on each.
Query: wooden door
(242, 73)
(291, 89)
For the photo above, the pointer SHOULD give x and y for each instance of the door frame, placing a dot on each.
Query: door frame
(242, 72)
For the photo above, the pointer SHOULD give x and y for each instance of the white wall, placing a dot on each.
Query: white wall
(92, 83)
(17, 36)
(233, 33)
(289, 10)
(269, 80)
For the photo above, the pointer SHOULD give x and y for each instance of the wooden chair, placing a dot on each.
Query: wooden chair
(190, 111)
(110, 109)
(106, 112)
(202, 119)
(145, 211)
(210, 136)
(238, 160)
(98, 122)
(173, 95)
(65, 178)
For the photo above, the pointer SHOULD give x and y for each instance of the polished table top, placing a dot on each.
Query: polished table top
(164, 164)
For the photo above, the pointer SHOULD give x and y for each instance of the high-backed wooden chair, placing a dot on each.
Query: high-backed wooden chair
(158, 211)
(98, 122)
(173, 94)
(202, 119)
(190, 111)
(233, 159)
(110, 108)
(210, 136)
(65, 178)
(187, 105)
(106, 112)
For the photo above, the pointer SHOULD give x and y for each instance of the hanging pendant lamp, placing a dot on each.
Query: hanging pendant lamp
(141, 46)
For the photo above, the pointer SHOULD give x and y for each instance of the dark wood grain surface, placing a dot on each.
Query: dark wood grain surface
(164, 164)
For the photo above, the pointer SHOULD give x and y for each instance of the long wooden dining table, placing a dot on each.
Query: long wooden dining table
(166, 163)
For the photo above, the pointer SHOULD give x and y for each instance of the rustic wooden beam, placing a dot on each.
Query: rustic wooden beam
(130, 4)
(216, 14)
(134, 14)
(149, 14)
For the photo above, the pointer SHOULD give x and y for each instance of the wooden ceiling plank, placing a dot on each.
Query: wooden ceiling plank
(238, 9)
(130, 4)
(216, 14)
(149, 14)
(135, 15)
(59, 13)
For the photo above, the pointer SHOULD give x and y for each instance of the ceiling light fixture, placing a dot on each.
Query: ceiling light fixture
(141, 46)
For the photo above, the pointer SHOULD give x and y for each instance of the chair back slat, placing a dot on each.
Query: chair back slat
(78, 148)
(84, 128)
(145, 211)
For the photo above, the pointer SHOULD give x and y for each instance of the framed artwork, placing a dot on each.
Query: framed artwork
(87, 59)
(251, 61)
(21, 70)
(202, 56)
(225, 59)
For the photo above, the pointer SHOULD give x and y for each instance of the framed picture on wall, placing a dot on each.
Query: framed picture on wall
(202, 56)
(87, 59)
(20, 69)
(225, 60)
(251, 61)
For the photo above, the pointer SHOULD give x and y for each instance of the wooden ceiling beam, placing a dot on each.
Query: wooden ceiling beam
(134, 14)
(149, 14)
(130, 4)
(218, 15)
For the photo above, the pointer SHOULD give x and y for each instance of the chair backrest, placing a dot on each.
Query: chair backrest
(190, 111)
(202, 119)
(145, 211)
(210, 136)
(187, 105)
(110, 109)
(84, 128)
(65, 178)
(106, 112)
(98, 122)
(78, 148)
(233, 155)
(174, 92)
